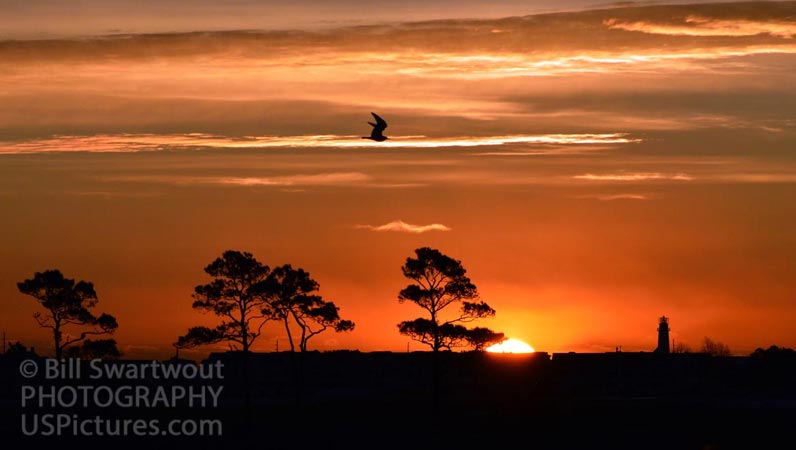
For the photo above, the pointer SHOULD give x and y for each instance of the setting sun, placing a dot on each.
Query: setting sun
(511, 346)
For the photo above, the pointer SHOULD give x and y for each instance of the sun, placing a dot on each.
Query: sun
(511, 346)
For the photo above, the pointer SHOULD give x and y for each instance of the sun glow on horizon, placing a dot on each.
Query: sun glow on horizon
(510, 346)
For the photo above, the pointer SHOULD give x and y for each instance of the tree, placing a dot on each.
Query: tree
(95, 349)
(439, 281)
(773, 352)
(19, 350)
(681, 348)
(292, 300)
(236, 295)
(67, 303)
(715, 348)
(480, 338)
(449, 335)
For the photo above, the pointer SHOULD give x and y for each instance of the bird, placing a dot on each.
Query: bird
(378, 129)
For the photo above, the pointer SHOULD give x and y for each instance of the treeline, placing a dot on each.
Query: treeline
(247, 294)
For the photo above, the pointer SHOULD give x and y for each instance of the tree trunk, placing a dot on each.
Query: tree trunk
(57, 338)
(289, 336)
(244, 333)
(303, 343)
(435, 332)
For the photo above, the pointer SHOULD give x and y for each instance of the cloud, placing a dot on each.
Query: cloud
(432, 78)
(703, 26)
(319, 179)
(403, 227)
(575, 61)
(491, 35)
(124, 143)
(775, 178)
(112, 194)
(44, 18)
(322, 179)
(640, 176)
(612, 197)
(549, 150)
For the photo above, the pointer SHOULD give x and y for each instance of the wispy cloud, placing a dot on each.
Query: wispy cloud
(123, 143)
(638, 176)
(704, 26)
(488, 141)
(612, 197)
(319, 179)
(775, 178)
(323, 179)
(550, 150)
(511, 65)
(112, 194)
(403, 227)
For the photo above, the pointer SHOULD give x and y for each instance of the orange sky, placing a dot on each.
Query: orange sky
(593, 170)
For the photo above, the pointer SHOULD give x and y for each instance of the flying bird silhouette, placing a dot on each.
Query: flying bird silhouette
(378, 129)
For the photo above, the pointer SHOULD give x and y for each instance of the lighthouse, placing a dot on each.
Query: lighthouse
(663, 335)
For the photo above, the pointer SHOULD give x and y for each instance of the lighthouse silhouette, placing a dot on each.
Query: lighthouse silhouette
(663, 335)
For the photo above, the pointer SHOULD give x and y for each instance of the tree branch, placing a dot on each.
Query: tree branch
(83, 335)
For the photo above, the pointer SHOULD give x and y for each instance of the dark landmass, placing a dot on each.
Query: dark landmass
(352, 400)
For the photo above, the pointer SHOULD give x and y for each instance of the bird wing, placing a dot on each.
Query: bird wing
(380, 123)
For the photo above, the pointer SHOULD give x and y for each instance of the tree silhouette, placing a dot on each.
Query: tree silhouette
(19, 350)
(292, 300)
(480, 338)
(715, 348)
(236, 295)
(774, 352)
(67, 303)
(681, 348)
(439, 281)
(422, 330)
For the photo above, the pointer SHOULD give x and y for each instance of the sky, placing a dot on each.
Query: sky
(593, 166)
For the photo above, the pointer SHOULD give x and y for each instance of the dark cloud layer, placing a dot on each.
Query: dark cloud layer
(46, 18)
(588, 30)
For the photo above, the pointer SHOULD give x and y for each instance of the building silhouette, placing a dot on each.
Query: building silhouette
(663, 335)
